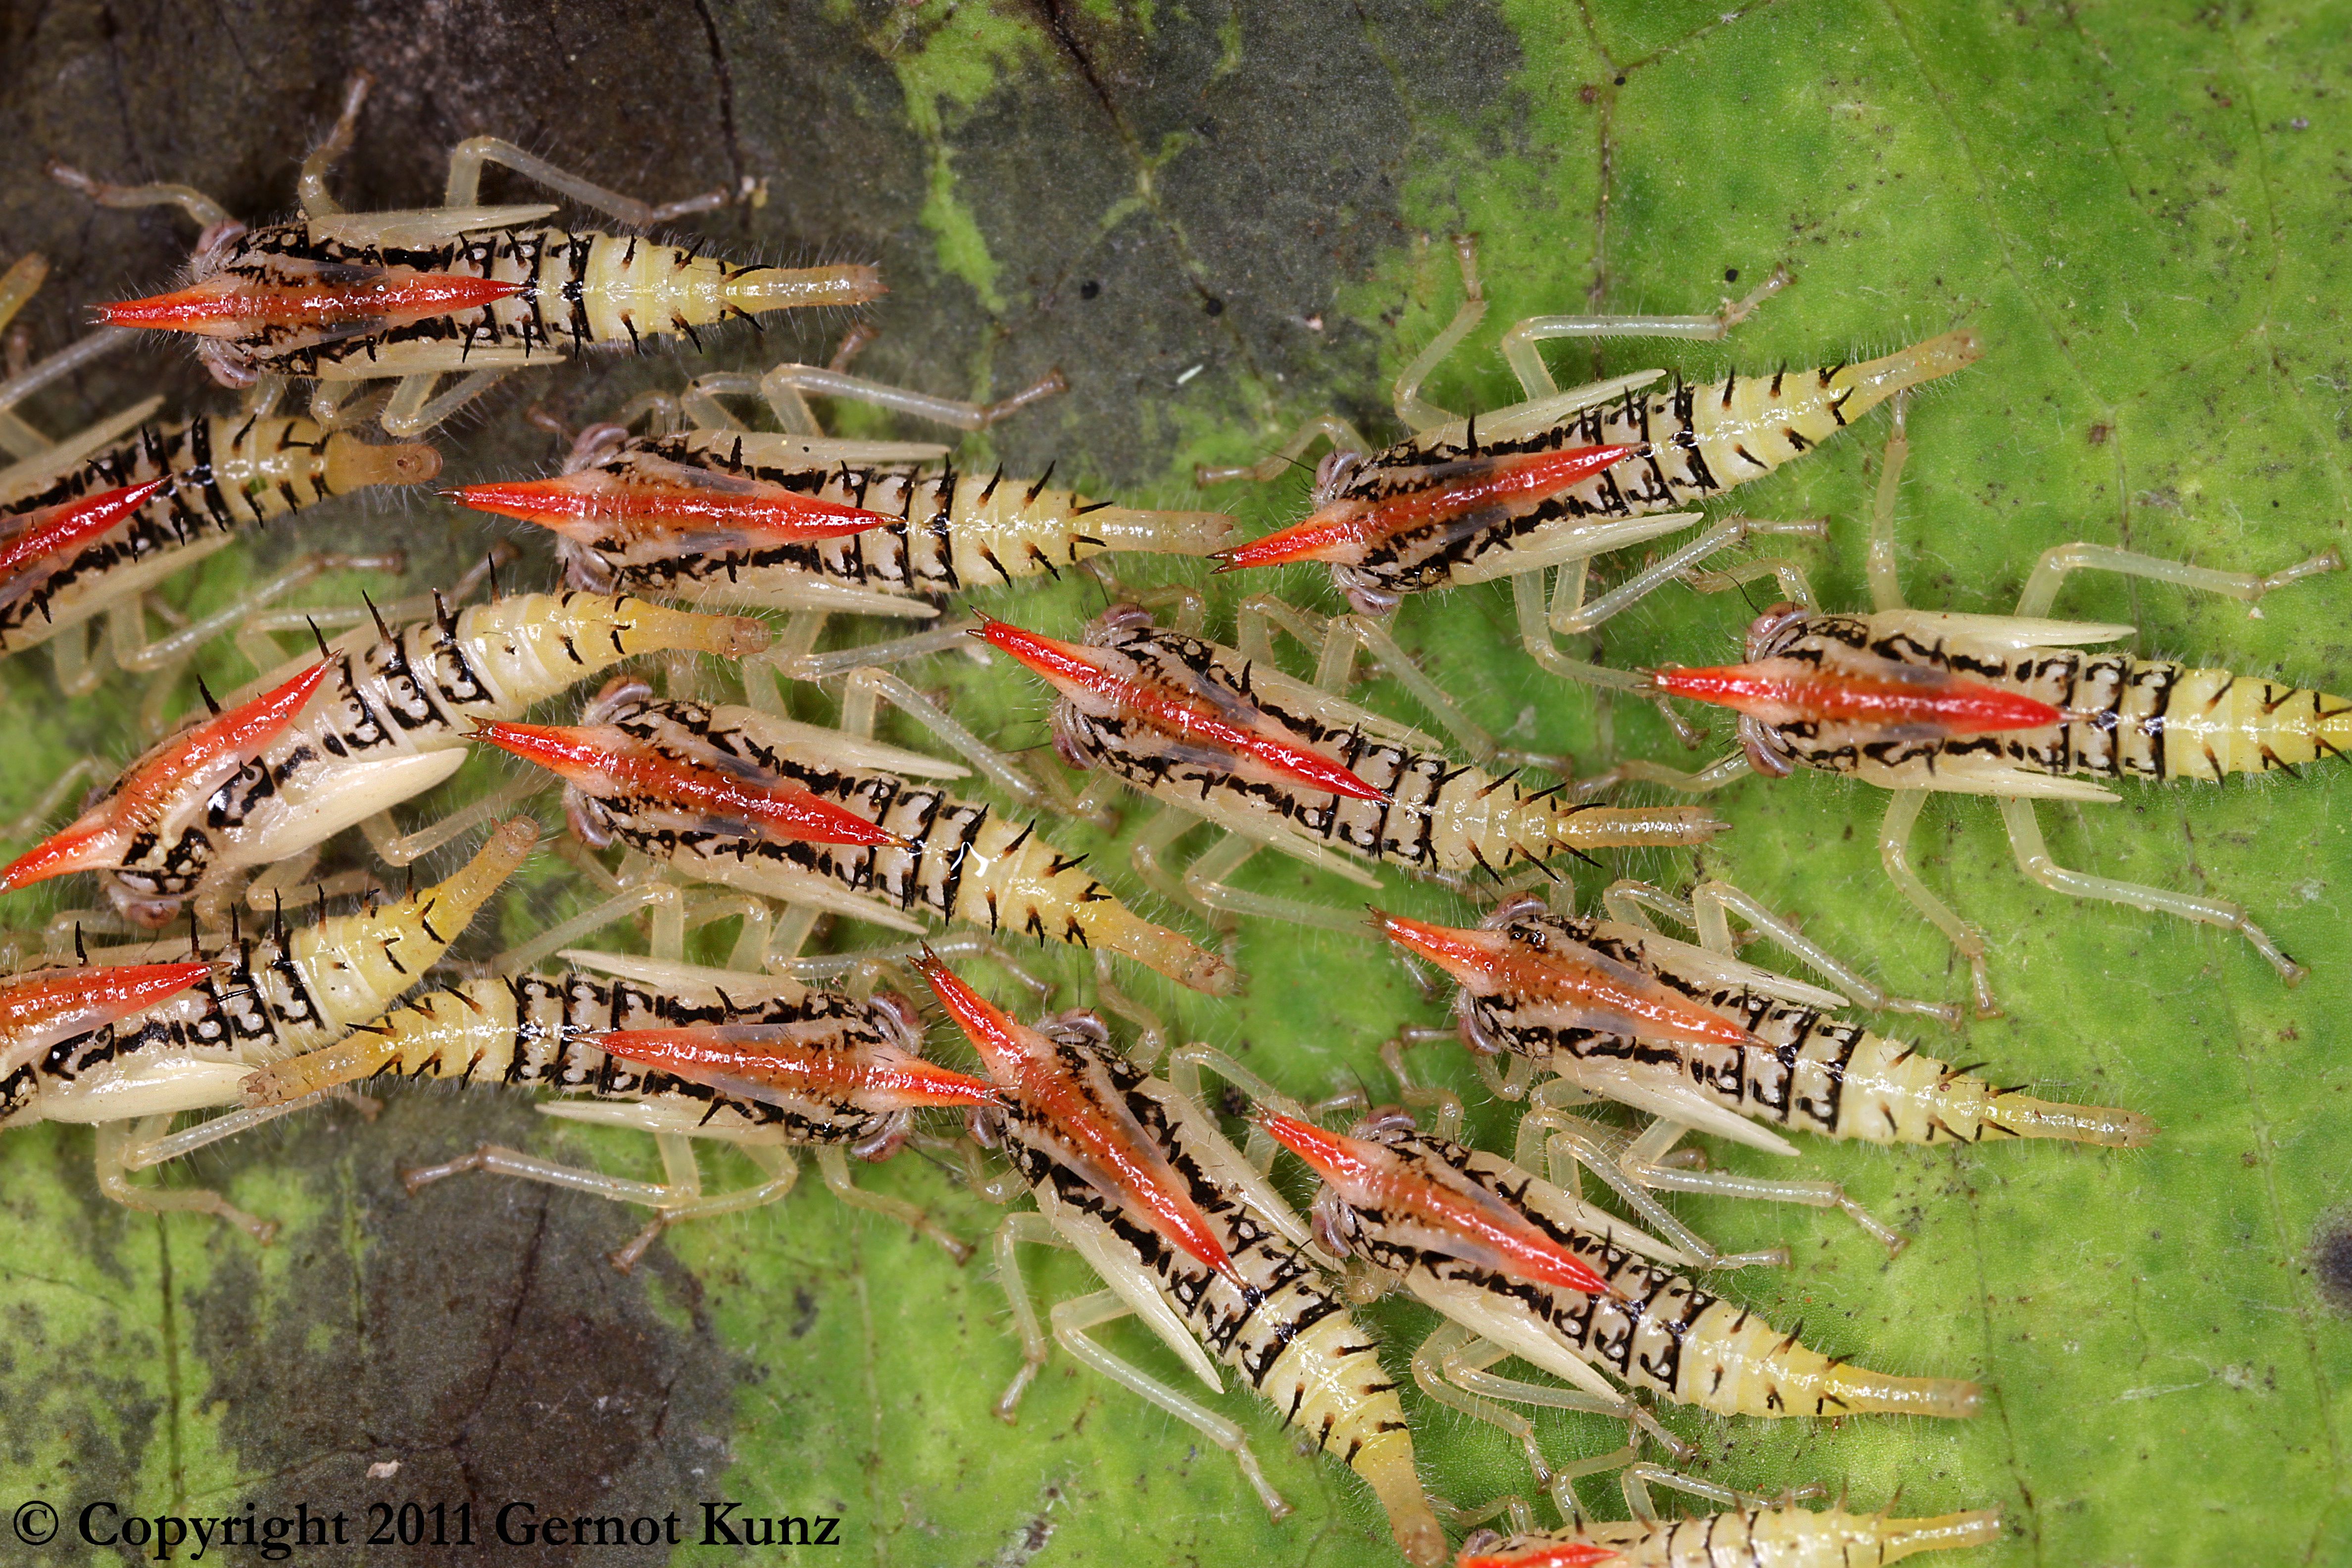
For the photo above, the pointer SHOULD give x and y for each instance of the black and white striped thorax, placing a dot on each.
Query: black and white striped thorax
(1251, 1327)
(1794, 1074)
(912, 556)
(2116, 705)
(255, 1007)
(1639, 1333)
(548, 312)
(542, 1047)
(1401, 830)
(204, 502)
(961, 860)
(417, 688)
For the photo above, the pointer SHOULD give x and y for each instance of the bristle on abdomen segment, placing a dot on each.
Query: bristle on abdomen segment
(633, 289)
(2215, 723)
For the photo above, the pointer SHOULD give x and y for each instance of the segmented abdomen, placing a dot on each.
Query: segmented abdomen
(957, 530)
(1283, 1328)
(410, 692)
(1806, 1069)
(1701, 439)
(2128, 718)
(1441, 816)
(233, 472)
(575, 289)
(275, 997)
(1659, 1332)
(961, 860)
(526, 1031)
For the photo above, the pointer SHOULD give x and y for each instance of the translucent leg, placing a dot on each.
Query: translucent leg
(1071, 1320)
(832, 1165)
(1184, 1070)
(1885, 578)
(1645, 1160)
(180, 645)
(1451, 1352)
(115, 1137)
(1626, 1174)
(1713, 903)
(1535, 635)
(2049, 571)
(1518, 1518)
(1578, 616)
(37, 816)
(1794, 585)
(1903, 808)
(1714, 776)
(497, 1160)
(187, 198)
(413, 410)
(2033, 858)
(464, 185)
(788, 386)
(1205, 883)
(1149, 856)
(865, 968)
(312, 186)
(1413, 411)
(396, 848)
(646, 895)
(1455, 1363)
(1334, 642)
(1639, 1478)
(867, 687)
(1151, 1033)
(954, 637)
(1393, 1050)
(680, 1197)
(289, 885)
(144, 1154)
(1034, 1229)
(1342, 436)
(1519, 342)
(20, 283)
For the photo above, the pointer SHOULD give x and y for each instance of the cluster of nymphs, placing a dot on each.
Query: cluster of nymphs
(675, 515)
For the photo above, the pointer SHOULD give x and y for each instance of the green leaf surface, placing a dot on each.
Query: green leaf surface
(1219, 222)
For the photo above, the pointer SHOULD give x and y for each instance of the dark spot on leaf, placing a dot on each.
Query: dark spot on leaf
(1731, 275)
(478, 1330)
(1621, 79)
(2331, 1259)
(2099, 434)
(1214, 306)
(804, 1311)
(1089, 288)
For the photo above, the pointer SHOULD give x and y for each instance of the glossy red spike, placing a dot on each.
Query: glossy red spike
(1489, 961)
(231, 306)
(757, 1055)
(1369, 1172)
(203, 756)
(1073, 666)
(748, 512)
(1781, 692)
(1345, 530)
(1542, 1555)
(70, 1001)
(1024, 1061)
(74, 523)
(604, 760)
